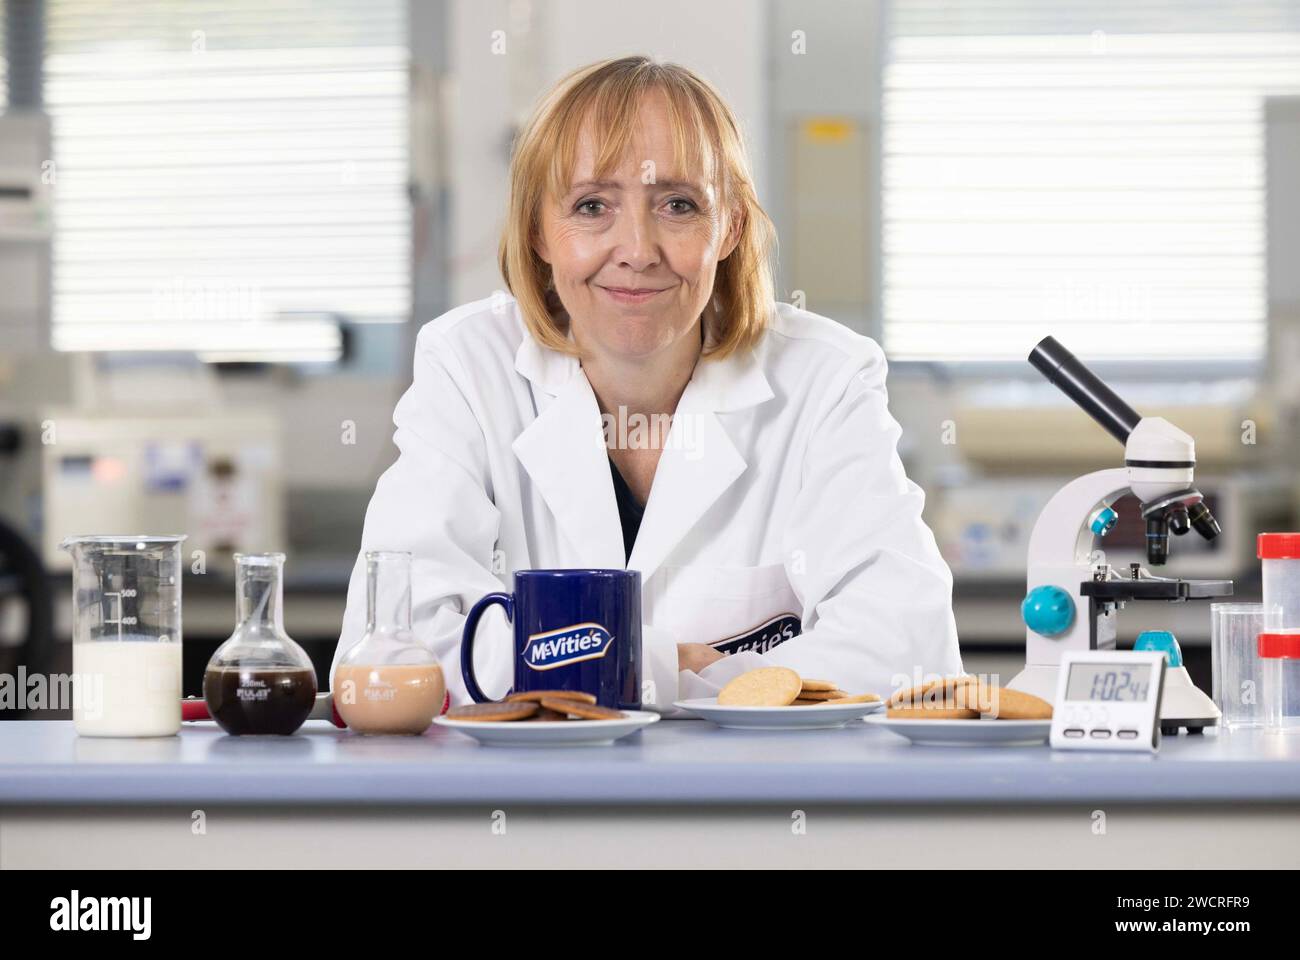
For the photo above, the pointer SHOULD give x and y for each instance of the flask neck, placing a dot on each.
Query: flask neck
(259, 595)
(388, 593)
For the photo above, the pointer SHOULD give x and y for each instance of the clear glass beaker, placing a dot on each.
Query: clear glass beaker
(126, 635)
(1239, 676)
(388, 683)
(259, 681)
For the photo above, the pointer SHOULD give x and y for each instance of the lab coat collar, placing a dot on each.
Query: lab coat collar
(564, 452)
(547, 368)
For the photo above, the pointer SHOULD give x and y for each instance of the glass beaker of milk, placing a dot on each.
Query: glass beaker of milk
(126, 635)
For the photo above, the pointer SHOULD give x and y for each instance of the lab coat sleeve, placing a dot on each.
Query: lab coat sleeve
(435, 502)
(875, 592)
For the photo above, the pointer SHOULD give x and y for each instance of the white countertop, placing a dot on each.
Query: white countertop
(670, 763)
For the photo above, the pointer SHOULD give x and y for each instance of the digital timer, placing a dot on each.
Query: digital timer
(1108, 681)
(1109, 700)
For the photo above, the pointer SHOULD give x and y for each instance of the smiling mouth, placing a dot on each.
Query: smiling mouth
(630, 295)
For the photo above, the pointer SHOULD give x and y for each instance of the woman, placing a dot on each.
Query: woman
(749, 466)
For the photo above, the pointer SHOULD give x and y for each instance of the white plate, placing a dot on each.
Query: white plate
(556, 733)
(820, 717)
(967, 733)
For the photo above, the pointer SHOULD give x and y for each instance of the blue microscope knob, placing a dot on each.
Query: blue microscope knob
(1161, 640)
(1048, 610)
(1103, 520)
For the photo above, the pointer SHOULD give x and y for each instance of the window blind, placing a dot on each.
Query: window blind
(231, 176)
(1089, 170)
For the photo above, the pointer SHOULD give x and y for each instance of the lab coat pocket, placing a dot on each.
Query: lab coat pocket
(733, 608)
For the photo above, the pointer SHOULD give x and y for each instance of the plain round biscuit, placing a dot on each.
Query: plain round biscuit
(1013, 705)
(585, 711)
(536, 696)
(912, 694)
(821, 694)
(492, 712)
(817, 684)
(856, 698)
(764, 687)
(926, 713)
(547, 716)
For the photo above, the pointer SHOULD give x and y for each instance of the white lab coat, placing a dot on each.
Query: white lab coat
(780, 524)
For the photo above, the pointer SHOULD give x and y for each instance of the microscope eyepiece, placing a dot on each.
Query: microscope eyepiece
(1084, 387)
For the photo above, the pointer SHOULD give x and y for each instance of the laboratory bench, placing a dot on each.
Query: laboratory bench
(680, 793)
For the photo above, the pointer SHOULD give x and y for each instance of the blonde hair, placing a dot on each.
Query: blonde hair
(706, 138)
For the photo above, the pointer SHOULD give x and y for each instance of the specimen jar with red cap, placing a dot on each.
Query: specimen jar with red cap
(1279, 644)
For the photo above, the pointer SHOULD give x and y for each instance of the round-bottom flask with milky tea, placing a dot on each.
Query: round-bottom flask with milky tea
(388, 683)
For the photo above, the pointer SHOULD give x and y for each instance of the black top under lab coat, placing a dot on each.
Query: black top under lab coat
(629, 510)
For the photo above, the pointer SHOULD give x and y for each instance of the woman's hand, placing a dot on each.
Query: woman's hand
(696, 656)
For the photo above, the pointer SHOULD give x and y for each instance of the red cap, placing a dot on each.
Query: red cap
(1278, 546)
(1279, 646)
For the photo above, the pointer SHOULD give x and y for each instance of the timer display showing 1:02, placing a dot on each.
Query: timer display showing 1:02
(1108, 681)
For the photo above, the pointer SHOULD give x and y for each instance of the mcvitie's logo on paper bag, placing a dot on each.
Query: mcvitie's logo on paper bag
(572, 644)
(764, 637)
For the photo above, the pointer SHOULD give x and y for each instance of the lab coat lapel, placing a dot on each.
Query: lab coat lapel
(563, 451)
(699, 461)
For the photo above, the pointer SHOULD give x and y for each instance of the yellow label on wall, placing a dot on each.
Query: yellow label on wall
(827, 129)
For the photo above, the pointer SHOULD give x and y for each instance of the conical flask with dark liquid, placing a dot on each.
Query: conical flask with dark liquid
(259, 681)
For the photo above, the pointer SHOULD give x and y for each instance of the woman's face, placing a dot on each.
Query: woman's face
(634, 262)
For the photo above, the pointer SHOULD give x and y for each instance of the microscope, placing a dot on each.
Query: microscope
(1073, 594)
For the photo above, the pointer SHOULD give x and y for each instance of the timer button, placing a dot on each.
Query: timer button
(1100, 734)
(1073, 732)
(1128, 734)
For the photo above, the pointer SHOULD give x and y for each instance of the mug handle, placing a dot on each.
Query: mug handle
(467, 640)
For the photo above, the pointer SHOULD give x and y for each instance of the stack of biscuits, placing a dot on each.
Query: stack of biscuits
(782, 687)
(537, 705)
(966, 698)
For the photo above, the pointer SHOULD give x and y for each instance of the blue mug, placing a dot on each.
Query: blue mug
(573, 630)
